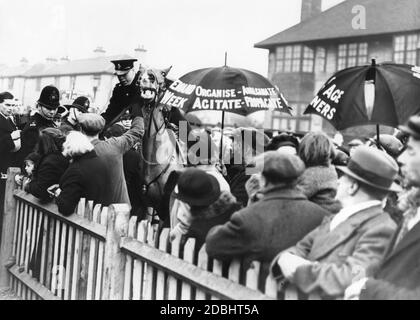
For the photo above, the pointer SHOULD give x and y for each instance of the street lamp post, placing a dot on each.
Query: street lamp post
(95, 86)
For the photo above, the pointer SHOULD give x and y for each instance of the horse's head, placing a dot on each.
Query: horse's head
(159, 145)
(152, 83)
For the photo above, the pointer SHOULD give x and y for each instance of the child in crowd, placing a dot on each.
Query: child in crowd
(30, 165)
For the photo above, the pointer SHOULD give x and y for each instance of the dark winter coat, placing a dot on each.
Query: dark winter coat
(30, 135)
(133, 179)
(262, 230)
(50, 170)
(319, 185)
(218, 213)
(122, 97)
(86, 177)
(237, 177)
(7, 156)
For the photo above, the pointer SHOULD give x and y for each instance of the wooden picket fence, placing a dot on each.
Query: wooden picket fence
(102, 253)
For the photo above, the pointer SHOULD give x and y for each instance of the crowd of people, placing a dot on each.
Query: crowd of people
(336, 221)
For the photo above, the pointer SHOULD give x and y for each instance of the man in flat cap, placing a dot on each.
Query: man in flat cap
(71, 122)
(349, 245)
(112, 151)
(126, 93)
(282, 217)
(47, 108)
(398, 277)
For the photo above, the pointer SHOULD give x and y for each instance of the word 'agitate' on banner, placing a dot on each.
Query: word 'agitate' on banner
(323, 107)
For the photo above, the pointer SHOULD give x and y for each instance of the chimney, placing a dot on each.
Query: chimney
(51, 60)
(64, 59)
(99, 52)
(140, 54)
(310, 8)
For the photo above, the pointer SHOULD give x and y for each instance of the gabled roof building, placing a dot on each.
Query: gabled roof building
(351, 33)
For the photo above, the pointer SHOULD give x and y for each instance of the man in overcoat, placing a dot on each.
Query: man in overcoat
(346, 246)
(9, 142)
(273, 224)
(398, 277)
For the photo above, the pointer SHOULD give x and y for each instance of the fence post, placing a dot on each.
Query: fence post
(114, 262)
(8, 226)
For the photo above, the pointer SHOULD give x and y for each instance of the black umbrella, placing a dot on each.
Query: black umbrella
(342, 98)
(224, 89)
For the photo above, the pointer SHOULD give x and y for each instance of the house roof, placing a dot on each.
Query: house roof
(382, 17)
(16, 71)
(72, 67)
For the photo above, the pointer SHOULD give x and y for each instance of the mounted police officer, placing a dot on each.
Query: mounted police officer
(126, 93)
(47, 107)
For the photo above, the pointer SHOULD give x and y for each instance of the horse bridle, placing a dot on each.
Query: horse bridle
(165, 112)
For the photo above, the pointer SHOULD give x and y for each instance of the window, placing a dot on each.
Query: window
(276, 123)
(405, 48)
(296, 122)
(351, 55)
(308, 59)
(320, 59)
(271, 63)
(11, 83)
(288, 58)
(296, 58)
(38, 84)
(304, 125)
(279, 59)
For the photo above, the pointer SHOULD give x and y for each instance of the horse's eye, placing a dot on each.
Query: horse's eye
(152, 78)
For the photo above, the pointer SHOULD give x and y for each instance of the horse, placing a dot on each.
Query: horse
(160, 149)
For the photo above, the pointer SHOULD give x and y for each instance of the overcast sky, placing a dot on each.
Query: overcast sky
(188, 34)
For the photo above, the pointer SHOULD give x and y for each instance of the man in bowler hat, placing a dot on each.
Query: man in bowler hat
(398, 277)
(47, 107)
(350, 244)
(126, 93)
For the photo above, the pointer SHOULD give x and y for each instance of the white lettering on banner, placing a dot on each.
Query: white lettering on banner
(259, 91)
(182, 87)
(323, 108)
(333, 94)
(212, 104)
(172, 100)
(215, 93)
(263, 103)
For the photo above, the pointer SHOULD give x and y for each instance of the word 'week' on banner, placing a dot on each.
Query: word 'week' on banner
(222, 99)
(322, 102)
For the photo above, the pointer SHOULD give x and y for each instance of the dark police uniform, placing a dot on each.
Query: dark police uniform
(29, 136)
(123, 96)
